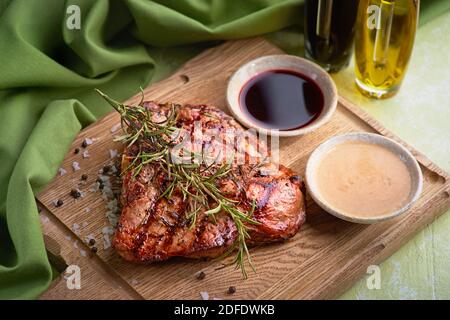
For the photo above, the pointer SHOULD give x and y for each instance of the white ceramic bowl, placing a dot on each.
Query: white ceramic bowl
(282, 62)
(407, 158)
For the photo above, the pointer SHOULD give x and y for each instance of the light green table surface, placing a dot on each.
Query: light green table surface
(419, 114)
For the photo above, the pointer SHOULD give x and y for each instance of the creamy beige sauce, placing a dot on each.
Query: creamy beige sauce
(363, 179)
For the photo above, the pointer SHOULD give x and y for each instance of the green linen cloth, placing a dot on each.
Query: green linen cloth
(48, 73)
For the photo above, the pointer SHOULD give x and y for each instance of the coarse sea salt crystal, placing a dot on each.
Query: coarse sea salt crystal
(112, 218)
(113, 169)
(75, 226)
(134, 282)
(89, 237)
(204, 295)
(107, 193)
(75, 166)
(94, 187)
(113, 153)
(62, 171)
(108, 230)
(87, 210)
(88, 141)
(115, 127)
(106, 242)
(83, 253)
(112, 205)
(84, 224)
(44, 219)
(104, 178)
(86, 154)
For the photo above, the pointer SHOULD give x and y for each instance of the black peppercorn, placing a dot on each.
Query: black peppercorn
(84, 177)
(76, 151)
(94, 249)
(106, 169)
(201, 275)
(59, 203)
(91, 242)
(117, 167)
(84, 144)
(231, 290)
(100, 183)
(75, 193)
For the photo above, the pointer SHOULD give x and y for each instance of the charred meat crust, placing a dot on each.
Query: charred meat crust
(152, 228)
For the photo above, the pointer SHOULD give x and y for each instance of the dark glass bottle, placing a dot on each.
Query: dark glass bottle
(329, 31)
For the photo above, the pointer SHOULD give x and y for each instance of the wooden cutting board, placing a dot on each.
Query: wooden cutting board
(326, 257)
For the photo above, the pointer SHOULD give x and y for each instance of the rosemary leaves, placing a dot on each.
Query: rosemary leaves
(153, 140)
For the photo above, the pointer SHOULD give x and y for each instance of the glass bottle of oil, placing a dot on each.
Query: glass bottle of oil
(384, 38)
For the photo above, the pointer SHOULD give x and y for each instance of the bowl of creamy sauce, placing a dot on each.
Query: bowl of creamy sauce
(363, 177)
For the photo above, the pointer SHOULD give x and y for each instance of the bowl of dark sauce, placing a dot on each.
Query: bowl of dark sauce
(281, 95)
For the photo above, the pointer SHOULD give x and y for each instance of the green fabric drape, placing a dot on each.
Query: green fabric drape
(47, 76)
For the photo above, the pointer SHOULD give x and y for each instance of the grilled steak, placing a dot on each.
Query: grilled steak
(154, 228)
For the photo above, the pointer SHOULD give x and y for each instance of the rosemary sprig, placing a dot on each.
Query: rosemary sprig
(197, 182)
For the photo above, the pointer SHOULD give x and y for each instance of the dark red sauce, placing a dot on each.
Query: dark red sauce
(281, 99)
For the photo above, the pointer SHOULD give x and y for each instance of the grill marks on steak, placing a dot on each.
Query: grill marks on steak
(154, 228)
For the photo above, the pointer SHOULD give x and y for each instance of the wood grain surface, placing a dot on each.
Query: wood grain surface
(326, 257)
